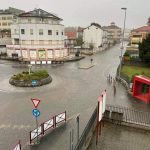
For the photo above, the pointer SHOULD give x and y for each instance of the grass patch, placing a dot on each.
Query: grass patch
(34, 75)
(131, 71)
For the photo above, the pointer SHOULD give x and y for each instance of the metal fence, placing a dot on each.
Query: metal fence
(86, 131)
(124, 114)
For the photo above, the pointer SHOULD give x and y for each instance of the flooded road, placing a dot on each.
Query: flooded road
(72, 89)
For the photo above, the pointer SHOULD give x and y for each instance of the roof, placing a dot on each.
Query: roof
(71, 34)
(94, 24)
(142, 29)
(39, 13)
(144, 78)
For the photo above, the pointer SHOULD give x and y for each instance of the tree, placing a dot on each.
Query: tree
(144, 50)
(148, 22)
(79, 41)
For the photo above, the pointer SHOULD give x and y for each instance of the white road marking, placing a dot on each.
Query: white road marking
(18, 127)
(3, 91)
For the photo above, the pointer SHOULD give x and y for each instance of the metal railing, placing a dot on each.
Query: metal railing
(86, 131)
(129, 115)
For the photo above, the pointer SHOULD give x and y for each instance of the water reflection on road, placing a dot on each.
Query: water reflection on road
(72, 89)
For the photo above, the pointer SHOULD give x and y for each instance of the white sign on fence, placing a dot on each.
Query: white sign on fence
(100, 108)
(48, 124)
(61, 117)
(17, 147)
(36, 132)
(104, 101)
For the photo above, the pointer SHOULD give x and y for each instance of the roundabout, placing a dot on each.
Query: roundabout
(31, 79)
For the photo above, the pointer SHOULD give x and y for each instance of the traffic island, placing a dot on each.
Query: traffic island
(75, 58)
(86, 67)
(32, 79)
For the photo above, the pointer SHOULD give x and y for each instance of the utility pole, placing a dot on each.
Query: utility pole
(122, 46)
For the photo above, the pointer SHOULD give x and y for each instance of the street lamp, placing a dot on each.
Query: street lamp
(30, 66)
(122, 40)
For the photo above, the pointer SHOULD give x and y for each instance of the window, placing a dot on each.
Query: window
(31, 31)
(9, 23)
(4, 24)
(9, 18)
(62, 33)
(57, 32)
(145, 88)
(3, 18)
(40, 31)
(29, 20)
(22, 31)
(49, 32)
(16, 41)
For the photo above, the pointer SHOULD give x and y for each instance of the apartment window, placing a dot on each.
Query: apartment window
(3, 18)
(29, 20)
(4, 24)
(31, 31)
(56, 32)
(40, 31)
(9, 18)
(22, 31)
(9, 23)
(16, 41)
(49, 32)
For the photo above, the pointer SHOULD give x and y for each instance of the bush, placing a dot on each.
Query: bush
(35, 75)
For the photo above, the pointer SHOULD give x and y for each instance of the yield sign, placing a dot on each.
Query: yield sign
(35, 102)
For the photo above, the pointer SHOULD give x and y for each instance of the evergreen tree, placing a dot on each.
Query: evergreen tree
(144, 50)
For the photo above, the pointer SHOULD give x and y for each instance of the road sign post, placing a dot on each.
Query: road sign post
(77, 119)
(36, 113)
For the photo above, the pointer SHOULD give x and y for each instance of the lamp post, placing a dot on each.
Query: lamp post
(122, 40)
(30, 66)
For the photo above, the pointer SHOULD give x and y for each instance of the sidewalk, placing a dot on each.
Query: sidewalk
(116, 137)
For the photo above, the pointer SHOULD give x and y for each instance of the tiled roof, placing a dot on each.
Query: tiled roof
(39, 13)
(142, 29)
(94, 24)
(71, 35)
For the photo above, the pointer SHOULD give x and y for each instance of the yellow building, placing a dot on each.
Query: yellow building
(137, 35)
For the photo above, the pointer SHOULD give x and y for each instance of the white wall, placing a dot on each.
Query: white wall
(93, 35)
(36, 27)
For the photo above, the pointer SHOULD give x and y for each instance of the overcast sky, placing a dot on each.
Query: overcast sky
(83, 12)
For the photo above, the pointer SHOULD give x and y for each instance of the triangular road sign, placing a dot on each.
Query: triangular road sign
(35, 102)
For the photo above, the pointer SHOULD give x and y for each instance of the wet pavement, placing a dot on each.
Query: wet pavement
(116, 137)
(72, 89)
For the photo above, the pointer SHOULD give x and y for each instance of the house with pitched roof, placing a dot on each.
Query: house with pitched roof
(136, 37)
(114, 33)
(96, 37)
(37, 37)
